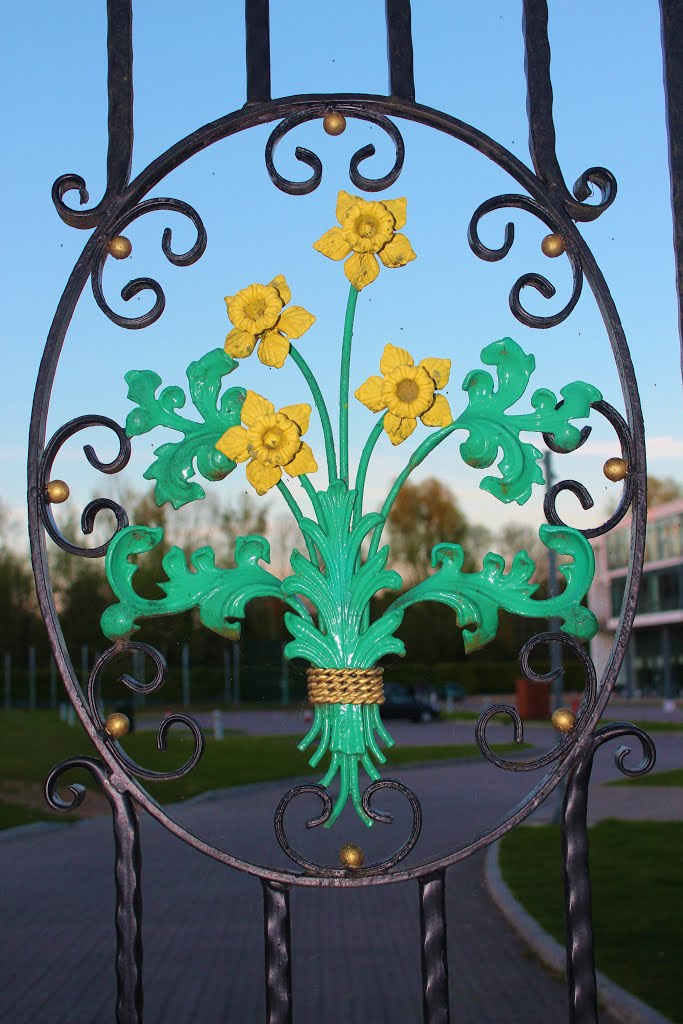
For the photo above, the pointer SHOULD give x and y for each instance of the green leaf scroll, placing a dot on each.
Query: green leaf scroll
(174, 466)
(478, 597)
(221, 595)
(492, 427)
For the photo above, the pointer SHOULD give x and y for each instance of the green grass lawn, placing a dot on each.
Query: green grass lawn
(637, 891)
(672, 778)
(32, 743)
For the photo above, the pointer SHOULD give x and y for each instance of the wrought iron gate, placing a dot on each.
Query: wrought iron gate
(543, 194)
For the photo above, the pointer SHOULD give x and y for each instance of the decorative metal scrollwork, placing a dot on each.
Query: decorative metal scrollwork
(90, 512)
(305, 156)
(140, 284)
(118, 753)
(564, 746)
(578, 489)
(537, 281)
(374, 814)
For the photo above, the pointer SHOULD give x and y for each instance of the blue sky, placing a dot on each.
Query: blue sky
(609, 111)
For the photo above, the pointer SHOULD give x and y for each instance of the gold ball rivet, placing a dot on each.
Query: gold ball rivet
(334, 123)
(120, 247)
(57, 491)
(552, 245)
(351, 856)
(615, 469)
(116, 725)
(563, 719)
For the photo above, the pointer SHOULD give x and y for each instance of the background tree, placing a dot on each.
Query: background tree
(423, 515)
(661, 490)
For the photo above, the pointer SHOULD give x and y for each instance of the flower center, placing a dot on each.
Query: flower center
(255, 309)
(367, 227)
(407, 390)
(273, 439)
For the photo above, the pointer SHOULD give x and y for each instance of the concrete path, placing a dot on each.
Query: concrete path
(356, 954)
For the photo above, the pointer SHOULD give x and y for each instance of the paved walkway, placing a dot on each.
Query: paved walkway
(356, 954)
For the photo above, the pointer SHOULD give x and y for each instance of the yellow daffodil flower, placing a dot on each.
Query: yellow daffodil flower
(368, 230)
(407, 391)
(256, 314)
(271, 440)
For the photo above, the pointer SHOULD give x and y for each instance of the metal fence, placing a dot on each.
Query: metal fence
(544, 195)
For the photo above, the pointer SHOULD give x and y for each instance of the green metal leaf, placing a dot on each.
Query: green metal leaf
(477, 598)
(177, 461)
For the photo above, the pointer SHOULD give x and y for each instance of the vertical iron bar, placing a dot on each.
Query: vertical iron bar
(128, 914)
(583, 1006)
(435, 1008)
(257, 16)
(120, 93)
(400, 49)
(672, 51)
(540, 92)
(278, 953)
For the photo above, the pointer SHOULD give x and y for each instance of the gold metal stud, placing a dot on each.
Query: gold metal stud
(116, 725)
(334, 123)
(552, 245)
(120, 247)
(351, 856)
(615, 469)
(563, 719)
(57, 491)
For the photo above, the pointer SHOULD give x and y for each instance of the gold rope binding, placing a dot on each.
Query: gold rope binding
(345, 685)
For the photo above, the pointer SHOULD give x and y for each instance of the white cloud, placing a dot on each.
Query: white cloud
(664, 447)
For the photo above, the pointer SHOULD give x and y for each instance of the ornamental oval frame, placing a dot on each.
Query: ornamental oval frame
(118, 209)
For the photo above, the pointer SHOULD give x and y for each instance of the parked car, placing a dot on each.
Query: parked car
(401, 702)
(451, 692)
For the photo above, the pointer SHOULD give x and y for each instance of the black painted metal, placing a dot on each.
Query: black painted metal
(127, 877)
(583, 1007)
(672, 50)
(278, 953)
(434, 946)
(400, 49)
(544, 195)
(257, 17)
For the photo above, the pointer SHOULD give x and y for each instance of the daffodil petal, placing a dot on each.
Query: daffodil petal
(301, 415)
(397, 209)
(273, 349)
(438, 369)
(333, 244)
(282, 288)
(239, 344)
(295, 321)
(392, 357)
(439, 415)
(255, 406)
(233, 443)
(397, 252)
(398, 427)
(261, 477)
(361, 269)
(344, 202)
(370, 394)
(303, 462)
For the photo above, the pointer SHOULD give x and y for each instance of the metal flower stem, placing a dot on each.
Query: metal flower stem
(297, 513)
(344, 385)
(320, 405)
(363, 464)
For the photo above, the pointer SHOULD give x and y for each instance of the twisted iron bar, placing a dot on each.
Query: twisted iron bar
(579, 929)
(542, 127)
(312, 160)
(117, 752)
(380, 816)
(537, 281)
(628, 455)
(561, 749)
(91, 510)
(127, 876)
(140, 284)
